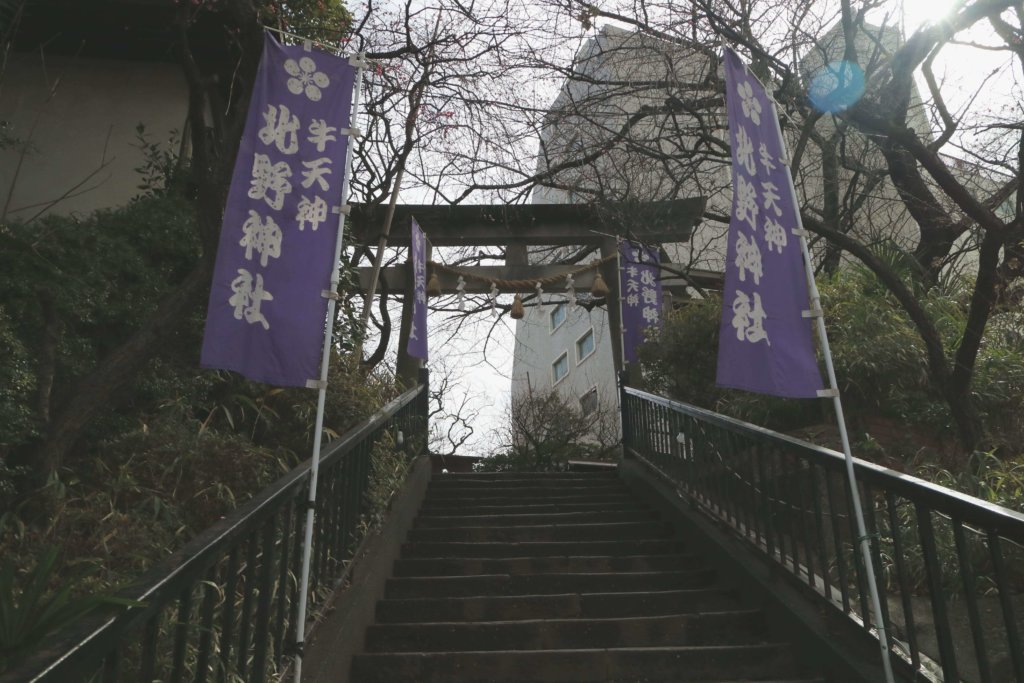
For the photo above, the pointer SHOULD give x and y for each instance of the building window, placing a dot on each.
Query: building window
(560, 368)
(584, 346)
(588, 402)
(557, 315)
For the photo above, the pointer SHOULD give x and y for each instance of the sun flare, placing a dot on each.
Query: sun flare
(916, 13)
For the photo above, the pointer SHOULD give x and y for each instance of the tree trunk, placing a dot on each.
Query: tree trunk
(958, 393)
(47, 368)
(830, 198)
(969, 425)
(94, 392)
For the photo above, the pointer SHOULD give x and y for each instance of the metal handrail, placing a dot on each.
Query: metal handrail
(954, 503)
(790, 501)
(212, 563)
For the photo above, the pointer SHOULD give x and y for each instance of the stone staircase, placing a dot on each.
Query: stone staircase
(558, 578)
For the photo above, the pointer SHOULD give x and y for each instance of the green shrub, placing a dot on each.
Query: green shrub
(31, 609)
(682, 364)
(993, 479)
(81, 287)
(879, 359)
(389, 468)
(682, 361)
(18, 422)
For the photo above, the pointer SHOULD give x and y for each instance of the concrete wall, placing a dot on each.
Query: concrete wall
(79, 118)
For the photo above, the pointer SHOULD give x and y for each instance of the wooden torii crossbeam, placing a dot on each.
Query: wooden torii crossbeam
(517, 227)
(532, 224)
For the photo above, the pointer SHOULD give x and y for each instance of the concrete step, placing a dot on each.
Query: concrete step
(472, 501)
(536, 518)
(614, 548)
(609, 531)
(467, 566)
(558, 579)
(613, 665)
(611, 473)
(556, 606)
(540, 584)
(626, 503)
(545, 479)
(500, 490)
(722, 628)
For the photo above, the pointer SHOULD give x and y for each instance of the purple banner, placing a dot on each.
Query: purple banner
(640, 291)
(417, 347)
(267, 311)
(765, 344)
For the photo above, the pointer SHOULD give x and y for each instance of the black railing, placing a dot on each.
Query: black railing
(951, 567)
(222, 609)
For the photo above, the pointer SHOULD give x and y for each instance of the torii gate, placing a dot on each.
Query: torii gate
(519, 226)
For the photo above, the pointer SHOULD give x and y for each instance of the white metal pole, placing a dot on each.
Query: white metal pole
(325, 359)
(816, 312)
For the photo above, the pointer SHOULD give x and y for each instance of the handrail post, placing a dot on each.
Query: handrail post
(624, 413)
(423, 404)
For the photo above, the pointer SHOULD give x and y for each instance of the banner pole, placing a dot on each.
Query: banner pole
(816, 312)
(618, 288)
(325, 359)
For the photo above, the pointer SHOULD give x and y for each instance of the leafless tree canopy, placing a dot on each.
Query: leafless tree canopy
(545, 430)
(591, 102)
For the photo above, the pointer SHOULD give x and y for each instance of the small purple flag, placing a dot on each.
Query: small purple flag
(267, 312)
(640, 292)
(765, 344)
(417, 347)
